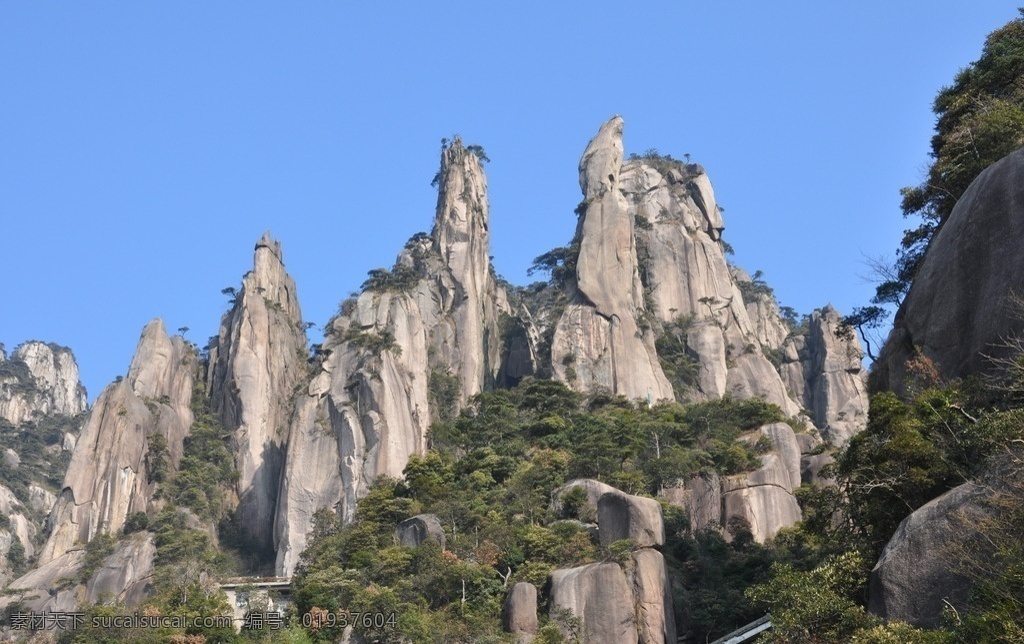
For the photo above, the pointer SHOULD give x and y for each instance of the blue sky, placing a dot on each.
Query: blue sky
(145, 147)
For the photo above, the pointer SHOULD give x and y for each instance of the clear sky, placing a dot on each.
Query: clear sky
(145, 147)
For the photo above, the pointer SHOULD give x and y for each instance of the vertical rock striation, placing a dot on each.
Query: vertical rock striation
(598, 342)
(256, 362)
(110, 470)
(414, 346)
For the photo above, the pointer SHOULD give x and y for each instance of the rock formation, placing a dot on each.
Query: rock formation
(123, 577)
(616, 603)
(824, 371)
(624, 516)
(961, 306)
(520, 612)
(415, 531)
(599, 335)
(257, 360)
(109, 474)
(417, 342)
(916, 574)
(40, 379)
(652, 265)
(763, 501)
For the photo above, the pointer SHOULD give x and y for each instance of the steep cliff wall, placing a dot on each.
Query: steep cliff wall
(256, 362)
(109, 474)
(416, 343)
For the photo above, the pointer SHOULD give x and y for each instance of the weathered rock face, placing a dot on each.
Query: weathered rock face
(763, 500)
(20, 530)
(959, 307)
(430, 324)
(109, 474)
(824, 371)
(520, 616)
(599, 335)
(124, 577)
(601, 597)
(613, 604)
(653, 591)
(415, 531)
(592, 488)
(40, 379)
(256, 362)
(914, 576)
(624, 516)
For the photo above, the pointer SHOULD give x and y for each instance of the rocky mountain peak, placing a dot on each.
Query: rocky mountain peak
(39, 379)
(256, 361)
(602, 159)
(109, 475)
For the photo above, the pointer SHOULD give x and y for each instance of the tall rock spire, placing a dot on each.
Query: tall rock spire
(109, 476)
(598, 342)
(414, 346)
(256, 362)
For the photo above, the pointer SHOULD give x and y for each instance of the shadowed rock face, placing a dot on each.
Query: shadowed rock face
(367, 409)
(958, 309)
(50, 385)
(601, 597)
(415, 531)
(108, 477)
(256, 362)
(914, 576)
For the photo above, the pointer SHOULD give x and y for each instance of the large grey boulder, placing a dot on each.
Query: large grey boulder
(958, 309)
(761, 500)
(109, 474)
(256, 361)
(624, 516)
(520, 616)
(592, 488)
(600, 596)
(366, 410)
(916, 574)
(653, 590)
(414, 531)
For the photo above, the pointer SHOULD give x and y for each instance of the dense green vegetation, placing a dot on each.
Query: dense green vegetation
(489, 477)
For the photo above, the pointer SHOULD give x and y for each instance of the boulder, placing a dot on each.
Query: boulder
(655, 609)
(520, 617)
(761, 501)
(916, 576)
(415, 531)
(958, 310)
(624, 516)
(594, 490)
(600, 596)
